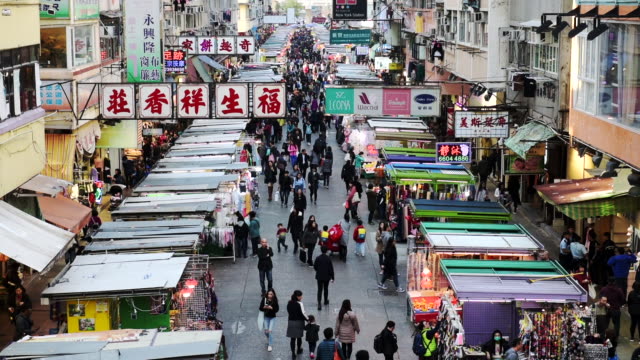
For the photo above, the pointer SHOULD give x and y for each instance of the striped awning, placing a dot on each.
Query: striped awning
(603, 207)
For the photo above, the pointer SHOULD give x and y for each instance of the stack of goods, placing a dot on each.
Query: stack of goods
(425, 308)
(416, 267)
(543, 342)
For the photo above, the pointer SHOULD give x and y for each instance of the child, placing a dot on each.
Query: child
(312, 330)
(281, 234)
(324, 236)
(360, 237)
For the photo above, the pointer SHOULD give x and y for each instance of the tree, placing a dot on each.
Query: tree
(284, 5)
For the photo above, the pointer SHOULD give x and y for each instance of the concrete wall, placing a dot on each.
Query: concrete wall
(22, 27)
(525, 10)
(22, 155)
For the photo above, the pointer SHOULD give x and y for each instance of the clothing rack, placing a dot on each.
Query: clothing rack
(451, 331)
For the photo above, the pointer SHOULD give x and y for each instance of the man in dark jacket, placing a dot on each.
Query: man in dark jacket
(389, 341)
(295, 227)
(303, 162)
(615, 298)
(484, 170)
(324, 274)
(286, 185)
(24, 324)
(372, 204)
(313, 182)
(265, 253)
(348, 174)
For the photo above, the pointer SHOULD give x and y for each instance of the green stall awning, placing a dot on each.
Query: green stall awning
(528, 136)
(603, 207)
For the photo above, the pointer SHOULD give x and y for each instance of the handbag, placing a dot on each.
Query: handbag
(260, 320)
(336, 351)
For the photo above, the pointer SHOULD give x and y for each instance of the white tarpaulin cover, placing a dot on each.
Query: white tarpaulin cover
(28, 240)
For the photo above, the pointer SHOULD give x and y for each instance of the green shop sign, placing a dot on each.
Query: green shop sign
(358, 37)
(54, 9)
(339, 101)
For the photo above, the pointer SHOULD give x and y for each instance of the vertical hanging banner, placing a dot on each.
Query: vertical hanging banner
(156, 101)
(142, 40)
(193, 101)
(232, 100)
(269, 100)
(118, 101)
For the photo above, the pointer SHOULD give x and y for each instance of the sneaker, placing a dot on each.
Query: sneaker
(382, 286)
(269, 348)
(381, 272)
(299, 351)
(400, 290)
(312, 356)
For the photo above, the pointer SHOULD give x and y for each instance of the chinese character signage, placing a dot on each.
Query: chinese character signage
(53, 96)
(142, 40)
(86, 9)
(156, 101)
(487, 124)
(174, 61)
(118, 101)
(220, 45)
(349, 9)
(453, 152)
(379, 101)
(54, 9)
(516, 165)
(269, 100)
(193, 101)
(358, 37)
(232, 100)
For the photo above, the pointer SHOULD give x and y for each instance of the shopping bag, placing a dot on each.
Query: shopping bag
(303, 256)
(592, 291)
(278, 195)
(260, 320)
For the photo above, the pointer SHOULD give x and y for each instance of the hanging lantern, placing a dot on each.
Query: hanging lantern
(191, 283)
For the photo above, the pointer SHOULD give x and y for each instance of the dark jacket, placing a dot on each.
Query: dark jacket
(633, 300)
(286, 182)
(295, 224)
(299, 202)
(390, 260)
(324, 268)
(12, 302)
(348, 172)
(303, 161)
(490, 346)
(372, 198)
(389, 342)
(313, 180)
(270, 174)
(241, 230)
(311, 332)
(327, 165)
(310, 237)
(614, 295)
(264, 258)
(326, 349)
(271, 313)
(295, 311)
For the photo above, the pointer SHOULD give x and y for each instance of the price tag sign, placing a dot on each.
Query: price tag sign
(453, 152)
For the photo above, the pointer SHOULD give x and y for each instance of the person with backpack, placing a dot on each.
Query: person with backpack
(324, 274)
(360, 237)
(386, 342)
(329, 349)
(346, 328)
(425, 344)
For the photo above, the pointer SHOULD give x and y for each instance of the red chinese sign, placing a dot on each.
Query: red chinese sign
(492, 124)
(155, 101)
(189, 44)
(269, 100)
(232, 100)
(118, 101)
(246, 45)
(193, 101)
(226, 45)
(455, 152)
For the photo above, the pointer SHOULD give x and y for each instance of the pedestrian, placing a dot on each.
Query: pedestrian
(270, 178)
(601, 308)
(24, 324)
(327, 165)
(348, 174)
(382, 203)
(299, 183)
(382, 237)
(269, 307)
(390, 266)
(611, 343)
(345, 224)
(620, 265)
(286, 185)
(310, 238)
(513, 187)
(358, 163)
(372, 202)
(512, 353)
(303, 162)
(307, 132)
(346, 328)
(362, 355)
(18, 301)
(582, 277)
(496, 347)
(311, 335)
(329, 349)
(353, 200)
(293, 152)
(295, 325)
(313, 183)
(360, 237)
(426, 333)
(578, 253)
(324, 274)
(484, 170)
(254, 232)
(241, 234)
(295, 227)
(615, 299)
(565, 258)
(281, 235)
(633, 302)
(265, 265)
(389, 340)
(300, 200)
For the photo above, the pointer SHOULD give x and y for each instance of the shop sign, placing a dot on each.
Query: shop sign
(220, 45)
(155, 101)
(193, 101)
(54, 9)
(368, 101)
(269, 100)
(342, 36)
(188, 44)
(339, 100)
(453, 152)
(175, 61)
(205, 46)
(232, 100)
(372, 101)
(142, 41)
(246, 45)
(516, 165)
(152, 132)
(425, 102)
(86, 9)
(381, 62)
(118, 101)
(396, 102)
(362, 50)
(53, 96)
(396, 66)
(483, 124)
(226, 45)
(349, 10)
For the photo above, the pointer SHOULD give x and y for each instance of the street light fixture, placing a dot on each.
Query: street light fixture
(578, 29)
(545, 25)
(560, 25)
(598, 29)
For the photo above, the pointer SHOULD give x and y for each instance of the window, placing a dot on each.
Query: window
(109, 48)
(53, 43)
(463, 21)
(608, 73)
(28, 88)
(83, 45)
(545, 58)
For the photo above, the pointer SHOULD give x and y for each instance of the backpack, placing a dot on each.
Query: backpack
(418, 345)
(378, 344)
(335, 233)
(362, 233)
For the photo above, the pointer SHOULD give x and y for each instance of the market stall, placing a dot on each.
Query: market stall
(184, 183)
(459, 211)
(431, 181)
(166, 207)
(408, 155)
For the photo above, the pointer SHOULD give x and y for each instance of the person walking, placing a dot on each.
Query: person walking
(324, 274)
(269, 307)
(295, 325)
(299, 183)
(286, 185)
(346, 328)
(327, 165)
(633, 301)
(265, 265)
(311, 335)
(358, 163)
(300, 200)
(360, 237)
(241, 234)
(513, 187)
(372, 202)
(382, 238)
(389, 340)
(295, 227)
(293, 152)
(348, 174)
(270, 177)
(615, 299)
(345, 224)
(620, 265)
(254, 232)
(313, 183)
(565, 258)
(303, 162)
(328, 348)
(310, 238)
(390, 266)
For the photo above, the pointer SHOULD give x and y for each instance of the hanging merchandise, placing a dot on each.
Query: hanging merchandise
(451, 332)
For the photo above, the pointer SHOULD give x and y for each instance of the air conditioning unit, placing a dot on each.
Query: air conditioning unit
(480, 17)
(516, 35)
(539, 38)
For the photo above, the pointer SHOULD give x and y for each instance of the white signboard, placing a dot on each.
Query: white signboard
(156, 101)
(245, 45)
(368, 101)
(362, 50)
(118, 101)
(275, 19)
(487, 124)
(193, 101)
(142, 39)
(381, 62)
(206, 45)
(425, 102)
(291, 16)
(232, 100)
(269, 100)
(226, 45)
(188, 44)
